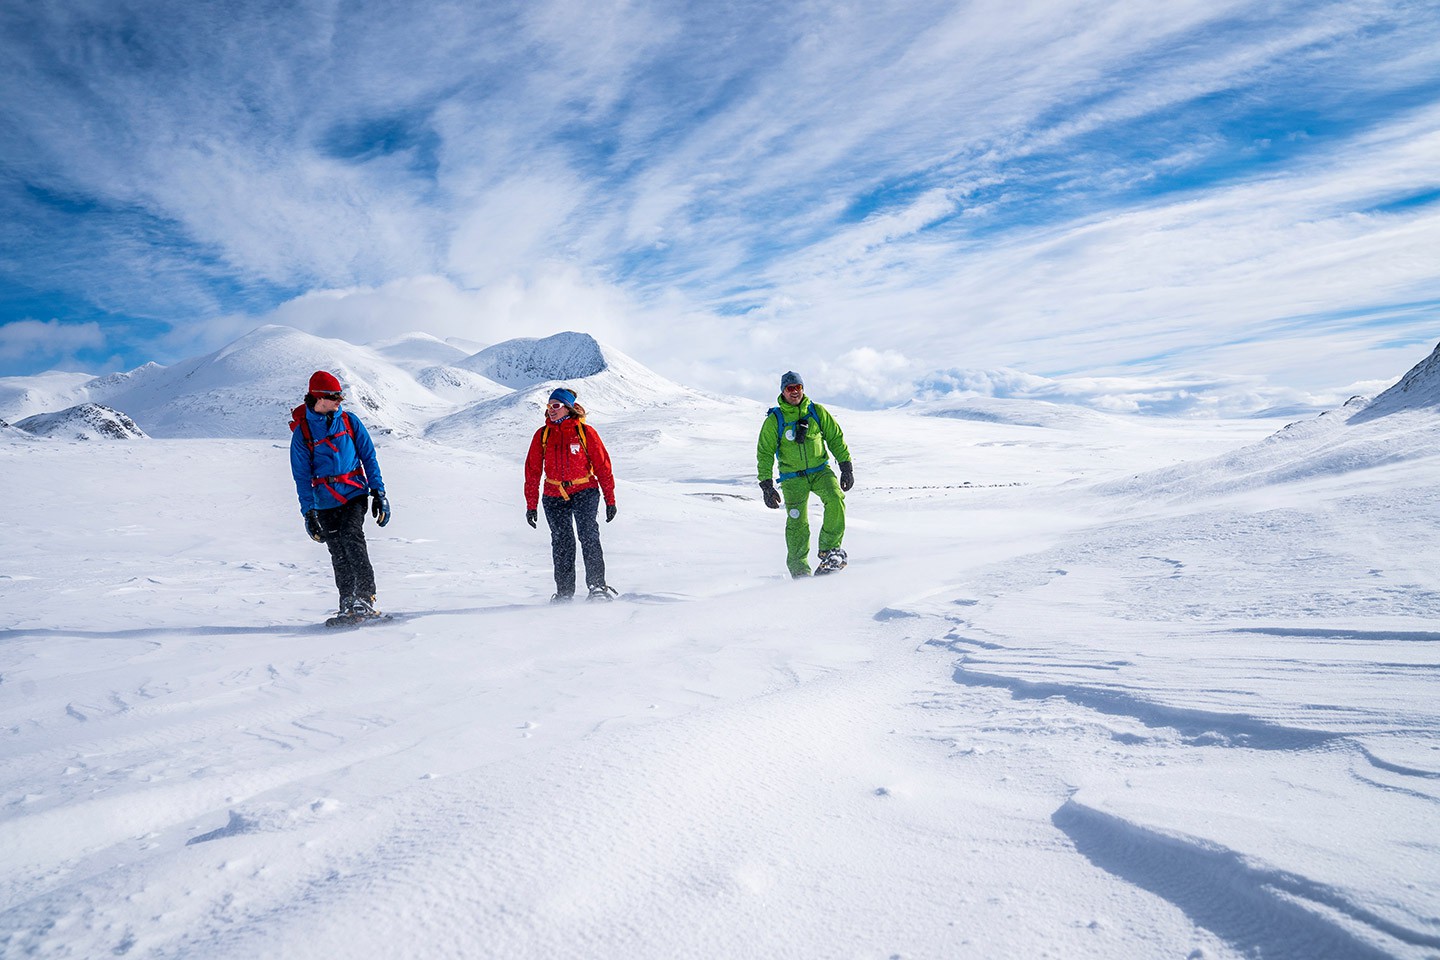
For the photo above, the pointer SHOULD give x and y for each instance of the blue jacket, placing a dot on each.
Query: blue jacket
(335, 454)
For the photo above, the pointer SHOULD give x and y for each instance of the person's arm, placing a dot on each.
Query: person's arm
(300, 470)
(765, 449)
(534, 464)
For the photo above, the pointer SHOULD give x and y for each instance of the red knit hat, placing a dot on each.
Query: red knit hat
(323, 382)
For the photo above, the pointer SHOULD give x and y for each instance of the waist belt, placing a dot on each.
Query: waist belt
(564, 486)
(327, 482)
(802, 473)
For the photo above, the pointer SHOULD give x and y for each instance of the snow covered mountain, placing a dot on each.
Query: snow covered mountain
(248, 388)
(606, 382)
(1401, 424)
(1417, 390)
(85, 421)
(22, 397)
(416, 351)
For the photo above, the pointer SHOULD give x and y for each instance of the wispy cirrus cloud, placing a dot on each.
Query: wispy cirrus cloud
(1083, 188)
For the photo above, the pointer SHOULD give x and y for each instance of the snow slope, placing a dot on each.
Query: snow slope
(1036, 716)
(22, 397)
(248, 388)
(1401, 424)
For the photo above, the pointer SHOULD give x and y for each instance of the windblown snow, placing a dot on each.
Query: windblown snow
(1092, 686)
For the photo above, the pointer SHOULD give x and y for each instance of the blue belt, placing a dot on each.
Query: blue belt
(803, 473)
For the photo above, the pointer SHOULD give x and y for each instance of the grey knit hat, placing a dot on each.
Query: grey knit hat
(789, 377)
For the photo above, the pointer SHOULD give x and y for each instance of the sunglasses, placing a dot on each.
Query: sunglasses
(337, 397)
(556, 405)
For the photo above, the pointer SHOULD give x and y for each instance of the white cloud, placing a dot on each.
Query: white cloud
(48, 341)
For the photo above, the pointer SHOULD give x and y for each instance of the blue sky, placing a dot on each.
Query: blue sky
(1232, 202)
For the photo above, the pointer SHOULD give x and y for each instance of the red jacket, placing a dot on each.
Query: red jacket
(569, 464)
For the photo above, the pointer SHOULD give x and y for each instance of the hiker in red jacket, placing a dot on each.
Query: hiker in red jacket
(576, 469)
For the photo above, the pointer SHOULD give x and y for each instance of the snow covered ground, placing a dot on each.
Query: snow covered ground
(1091, 687)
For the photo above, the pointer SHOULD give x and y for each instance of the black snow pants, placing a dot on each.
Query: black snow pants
(566, 518)
(344, 528)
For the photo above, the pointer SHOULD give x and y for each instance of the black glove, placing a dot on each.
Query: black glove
(609, 512)
(312, 526)
(847, 475)
(772, 496)
(379, 507)
(530, 516)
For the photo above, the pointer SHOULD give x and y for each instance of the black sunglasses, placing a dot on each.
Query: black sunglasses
(337, 397)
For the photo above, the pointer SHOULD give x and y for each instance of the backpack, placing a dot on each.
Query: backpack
(299, 421)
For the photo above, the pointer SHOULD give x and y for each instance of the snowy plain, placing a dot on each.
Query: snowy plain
(1092, 686)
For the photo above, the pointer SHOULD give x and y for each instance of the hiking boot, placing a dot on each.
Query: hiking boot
(562, 597)
(831, 561)
(602, 592)
(362, 608)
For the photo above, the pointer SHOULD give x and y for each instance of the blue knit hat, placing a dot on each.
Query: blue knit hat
(790, 377)
(566, 397)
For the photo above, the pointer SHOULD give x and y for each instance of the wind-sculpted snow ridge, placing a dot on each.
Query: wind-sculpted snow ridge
(1278, 914)
(248, 388)
(86, 421)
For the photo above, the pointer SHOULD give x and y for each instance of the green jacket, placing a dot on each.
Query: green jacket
(822, 432)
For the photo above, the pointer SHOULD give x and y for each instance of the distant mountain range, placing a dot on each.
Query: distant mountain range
(457, 393)
(413, 385)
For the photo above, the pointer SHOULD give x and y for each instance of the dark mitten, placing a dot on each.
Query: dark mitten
(379, 507)
(847, 475)
(313, 528)
(772, 496)
(530, 516)
(609, 512)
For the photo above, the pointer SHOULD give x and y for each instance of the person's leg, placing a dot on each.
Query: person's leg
(796, 492)
(832, 528)
(586, 506)
(344, 528)
(558, 514)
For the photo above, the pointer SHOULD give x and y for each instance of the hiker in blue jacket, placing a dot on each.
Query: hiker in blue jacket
(333, 461)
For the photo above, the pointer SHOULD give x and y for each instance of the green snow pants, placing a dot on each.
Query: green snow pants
(796, 492)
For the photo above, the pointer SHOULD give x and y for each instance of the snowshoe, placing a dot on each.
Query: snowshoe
(831, 561)
(561, 597)
(603, 592)
(355, 611)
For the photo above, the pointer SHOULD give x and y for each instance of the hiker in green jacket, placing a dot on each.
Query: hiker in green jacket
(797, 433)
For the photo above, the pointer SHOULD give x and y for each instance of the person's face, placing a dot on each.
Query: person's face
(556, 411)
(328, 402)
(794, 392)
